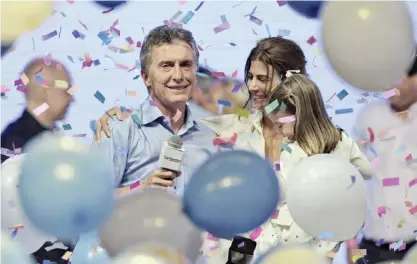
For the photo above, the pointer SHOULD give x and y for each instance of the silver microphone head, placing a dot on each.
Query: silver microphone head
(175, 142)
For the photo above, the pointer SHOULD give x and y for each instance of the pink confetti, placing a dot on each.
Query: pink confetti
(375, 162)
(276, 214)
(4, 89)
(212, 238)
(233, 139)
(413, 210)
(177, 116)
(402, 247)
(234, 74)
(40, 109)
(255, 233)
(409, 157)
(153, 103)
(390, 93)
(219, 141)
(391, 182)
(134, 185)
(48, 59)
(381, 211)
(412, 182)
(287, 119)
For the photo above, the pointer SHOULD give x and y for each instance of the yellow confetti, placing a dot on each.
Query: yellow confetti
(67, 255)
(242, 112)
(132, 93)
(356, 257)
(72, 90)
(400, 224)
(24, 78)
(318, 52)
(403, 115)
(61, 84)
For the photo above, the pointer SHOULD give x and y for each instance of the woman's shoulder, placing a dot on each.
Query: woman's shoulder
(225, 125)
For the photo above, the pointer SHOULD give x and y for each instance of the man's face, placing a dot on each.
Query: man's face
(171, 75)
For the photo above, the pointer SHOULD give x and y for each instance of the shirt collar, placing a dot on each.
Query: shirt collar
(257, 121)
(150, 113)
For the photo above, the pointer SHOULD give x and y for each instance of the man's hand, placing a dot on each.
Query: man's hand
(102, 125)
(161, 178)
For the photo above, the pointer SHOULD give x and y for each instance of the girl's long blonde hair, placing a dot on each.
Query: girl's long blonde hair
(313, 131)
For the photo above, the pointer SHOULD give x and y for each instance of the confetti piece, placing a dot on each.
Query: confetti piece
(61, 84)
(70, 58)
(344, 111)
(255, 233)
(282, 3)
(175, 16)
(48, 59)
(93, 126)
(275, 214)
(271, 107)
(199, 6)
(237, 87)
(391, 182)
(326, 235)
(375, 162)
(353, 178)
(40, 109)
(132, 93)
(49, 35)
(14, 233)
(219, 141)
(277, 166)
(371, 135)
(408, 204)
(242, 112)
(381, 211)
(391, 93)
(412, 182)
(285, 147)
(218, 74)
(409, 157)
(379, 242)
(355, 258)
(67, 127)
(287, 119)
(233, 139)
(72, 90)
(268, 30)
(234, 74)
(311, 40)
(255, 20)
(284, 32)
(134, 185)
(224, 102)
(232, 44)
(221, 28)
(99, 97)
(4, 89)
(413, 210)
(24, 79)
(177, 116)
(67, 255)
(152, 102)
(136, 119)
(352, 243)
(21, 88)
(283, 107)
(342, 94)
(187, 17)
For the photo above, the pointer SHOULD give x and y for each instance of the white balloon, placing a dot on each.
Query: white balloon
(326, 197)
(370, 44)
(294, 255)
(411, 256)
(150, 216)
(29, 238)
(151, 254)
(11, 253)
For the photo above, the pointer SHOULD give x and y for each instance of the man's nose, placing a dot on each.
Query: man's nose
(178, 75)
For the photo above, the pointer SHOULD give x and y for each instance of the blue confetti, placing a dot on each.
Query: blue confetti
(267, 30)
(122, 108)
(224, 102)
(342, 94)
(283, 32)
(199, 6)
(187, 17)
(38, 78)
(70, 58)
(93, 126)
(224, 19)
(137, 120)
(326, 235)
(99, 97)
(232, 44)
(344, 111)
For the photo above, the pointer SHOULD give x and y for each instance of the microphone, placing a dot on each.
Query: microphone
(171, 155)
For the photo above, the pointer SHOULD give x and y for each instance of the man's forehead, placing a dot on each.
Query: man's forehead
(176, 51)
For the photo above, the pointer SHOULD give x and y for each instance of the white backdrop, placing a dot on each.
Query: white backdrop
(225, 51)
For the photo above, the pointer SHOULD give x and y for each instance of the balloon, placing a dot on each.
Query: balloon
(326, 197)
(19, 17)
(231, 193)
(151, 254)
(110, 4)
(309, 9)
(354, 35)
(65, 188)
(13, 219)
(150, 215)
(5, 47)
(11, 254)
(89, 251)
(293, 255)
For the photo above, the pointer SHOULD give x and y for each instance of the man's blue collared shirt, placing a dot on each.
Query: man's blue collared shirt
(135, 144)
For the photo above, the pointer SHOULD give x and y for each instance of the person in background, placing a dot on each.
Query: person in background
(169, 59)
(46, 84)
(381, 234)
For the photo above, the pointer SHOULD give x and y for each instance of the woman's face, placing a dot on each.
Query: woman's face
(261, 80)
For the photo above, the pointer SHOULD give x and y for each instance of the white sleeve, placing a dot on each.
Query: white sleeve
(360, 161)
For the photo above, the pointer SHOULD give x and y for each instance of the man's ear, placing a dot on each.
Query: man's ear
(146, 79)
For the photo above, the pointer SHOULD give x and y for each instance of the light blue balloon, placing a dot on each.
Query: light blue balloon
(10, 253)
(231, 193)
(89, 251)
(66, 189)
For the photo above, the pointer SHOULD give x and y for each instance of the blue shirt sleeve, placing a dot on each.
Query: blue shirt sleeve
(116, 148)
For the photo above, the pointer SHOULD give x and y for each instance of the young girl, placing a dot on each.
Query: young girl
(297, 112)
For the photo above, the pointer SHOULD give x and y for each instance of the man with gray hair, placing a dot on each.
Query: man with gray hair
(169, 59)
